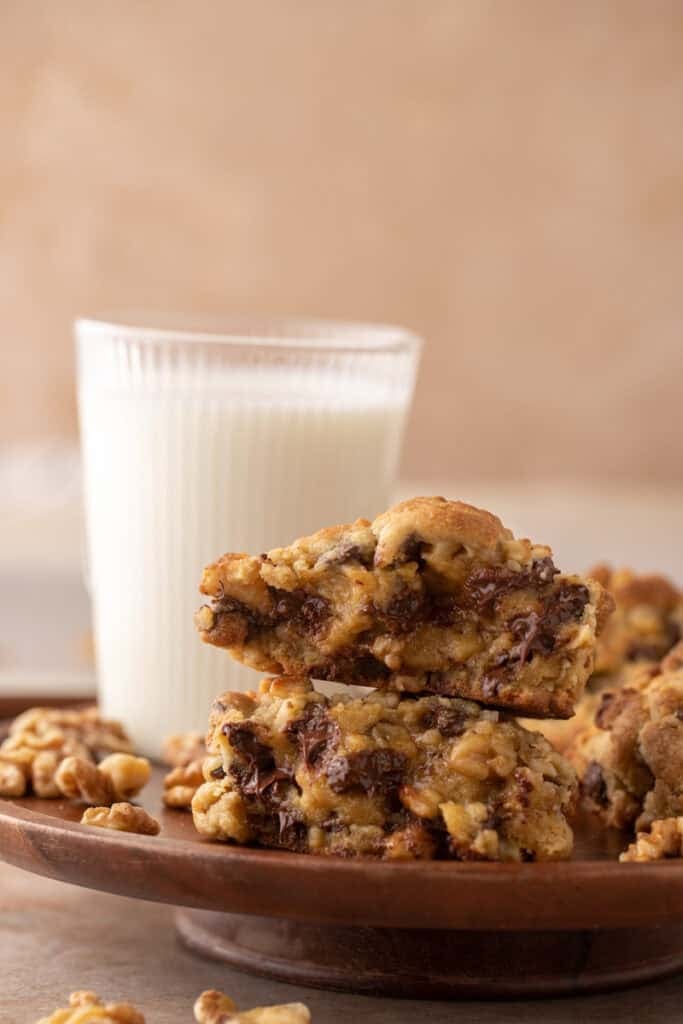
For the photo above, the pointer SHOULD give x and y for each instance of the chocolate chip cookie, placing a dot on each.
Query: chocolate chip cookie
(630, 759)
(434, 596)
(647, 620)
(381, 775)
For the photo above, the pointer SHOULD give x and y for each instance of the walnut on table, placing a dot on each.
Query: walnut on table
(664, 841)
(122, 817)
(181, 784)
(213, 1007)
(118, 778)
(183, 748)
(86, 1007)
(41, 738)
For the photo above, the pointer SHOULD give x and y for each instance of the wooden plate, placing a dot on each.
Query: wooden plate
(415, 928)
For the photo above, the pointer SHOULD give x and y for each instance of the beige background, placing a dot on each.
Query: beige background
(505, 177)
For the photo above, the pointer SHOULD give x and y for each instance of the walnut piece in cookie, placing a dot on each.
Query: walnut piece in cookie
(87, 1007)
(647, 620)
(123, 817)
(382, 776)
(630, 759)
(663, 841)
(181, 784)
(434, 596)
(117, 777)
(182, 749)
(213, 1007)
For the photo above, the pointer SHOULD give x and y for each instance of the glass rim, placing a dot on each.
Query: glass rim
(253, 331)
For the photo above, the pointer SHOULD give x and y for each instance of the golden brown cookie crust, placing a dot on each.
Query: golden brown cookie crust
(433, 596)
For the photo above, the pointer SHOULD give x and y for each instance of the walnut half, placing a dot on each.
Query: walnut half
(122, 817)
(87, 1006)
(213, 1007)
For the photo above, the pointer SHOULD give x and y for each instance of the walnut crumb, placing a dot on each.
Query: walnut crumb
(123, 817)
(213, 1007)
(87, 1006)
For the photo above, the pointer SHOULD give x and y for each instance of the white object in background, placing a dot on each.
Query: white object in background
(197, 443)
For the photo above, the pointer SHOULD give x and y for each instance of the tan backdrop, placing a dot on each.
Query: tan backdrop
(505, 177)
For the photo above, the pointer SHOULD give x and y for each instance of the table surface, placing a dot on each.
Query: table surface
(55, 938)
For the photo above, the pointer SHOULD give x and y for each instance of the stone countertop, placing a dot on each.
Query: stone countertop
(55, 938)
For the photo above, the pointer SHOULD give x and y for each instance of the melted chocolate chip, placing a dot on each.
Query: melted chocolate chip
(256, 774)
(450, 722)
(593, 784)
(374, 771)
(403, 613)
(315, 732)
(345, 552)
(218, 773)
(679, 714)
(306, 612)
(292, 831)
(485, 587)
(349, 668)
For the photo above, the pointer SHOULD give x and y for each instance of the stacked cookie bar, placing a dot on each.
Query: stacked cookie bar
(455, 626)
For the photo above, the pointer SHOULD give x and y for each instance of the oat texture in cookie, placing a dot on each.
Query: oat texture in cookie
(434, 596)
(630, 758)
(663, 842)
(87, 1007)
(214, 1007)
(41, 738)
(647, 620)
(382, 775)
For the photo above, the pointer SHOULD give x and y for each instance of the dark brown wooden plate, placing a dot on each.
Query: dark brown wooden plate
(416, 928)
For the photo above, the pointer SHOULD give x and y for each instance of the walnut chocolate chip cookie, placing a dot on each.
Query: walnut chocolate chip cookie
(434, 596)
(630, 759)
(381, 775)
(647, 620)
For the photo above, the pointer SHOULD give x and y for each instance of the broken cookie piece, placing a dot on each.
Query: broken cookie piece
(434, 596)
(382, 776)
(630, 759)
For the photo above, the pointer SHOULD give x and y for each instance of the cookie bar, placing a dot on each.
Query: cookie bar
(381, 775)
(647, 620)
(630, 759)
(434, 596)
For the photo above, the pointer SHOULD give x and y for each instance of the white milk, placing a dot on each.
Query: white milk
(178, 470)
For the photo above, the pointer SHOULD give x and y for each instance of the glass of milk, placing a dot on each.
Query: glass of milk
(202, 438)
